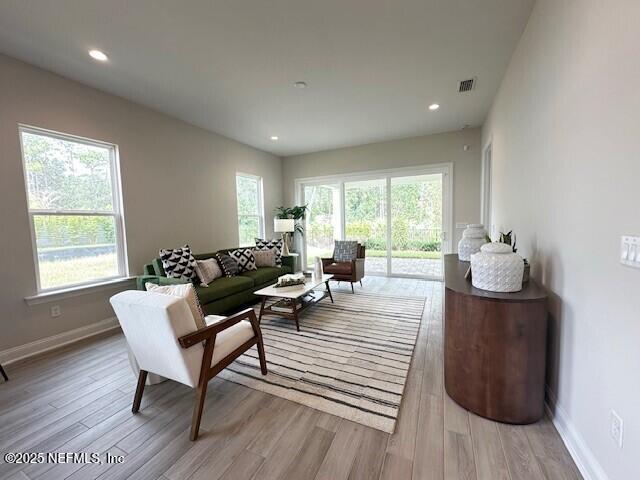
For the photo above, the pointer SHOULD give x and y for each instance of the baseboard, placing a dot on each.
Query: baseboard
(43, 345)
(582, 455)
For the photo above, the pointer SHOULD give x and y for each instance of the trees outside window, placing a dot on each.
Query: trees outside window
(250, 208)
(73, 196)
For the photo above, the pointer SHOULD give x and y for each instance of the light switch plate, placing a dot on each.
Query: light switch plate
(630, 251)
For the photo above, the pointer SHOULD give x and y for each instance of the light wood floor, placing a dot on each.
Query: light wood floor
(79, 400)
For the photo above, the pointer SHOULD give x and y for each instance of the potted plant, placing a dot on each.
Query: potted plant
(510, 239)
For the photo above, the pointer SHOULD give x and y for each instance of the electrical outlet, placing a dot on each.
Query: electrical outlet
(55, 311)
(616, 428)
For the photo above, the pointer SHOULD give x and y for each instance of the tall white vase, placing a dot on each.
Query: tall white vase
(318, 271)
(473, 237)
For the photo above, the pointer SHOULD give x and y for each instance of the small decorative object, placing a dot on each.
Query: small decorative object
(509, 238)
(473, 237)
(318, 270)
(284, 226)
(290, 280)
(497, 269)
(527, 271)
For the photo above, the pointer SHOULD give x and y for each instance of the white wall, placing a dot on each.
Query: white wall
(178, 186)
(408, 152)
(565, 129)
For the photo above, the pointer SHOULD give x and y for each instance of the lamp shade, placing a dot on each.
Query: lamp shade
(283, 225)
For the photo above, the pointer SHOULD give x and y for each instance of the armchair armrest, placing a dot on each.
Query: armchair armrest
(211, 331)
(326, 261)
(358, 268)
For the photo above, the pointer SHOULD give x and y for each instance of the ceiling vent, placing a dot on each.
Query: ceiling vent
(467, 85)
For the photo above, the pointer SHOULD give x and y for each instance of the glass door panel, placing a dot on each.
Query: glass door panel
(323, 220)
(416, 225)
(366, 220)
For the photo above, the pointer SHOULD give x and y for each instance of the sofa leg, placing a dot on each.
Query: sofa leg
(142, 378)
(201, 393)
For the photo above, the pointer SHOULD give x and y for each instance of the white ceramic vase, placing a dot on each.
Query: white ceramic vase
(496, 268)
(317, 268)
(473, 237)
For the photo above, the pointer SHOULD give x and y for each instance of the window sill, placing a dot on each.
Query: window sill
(52, 296)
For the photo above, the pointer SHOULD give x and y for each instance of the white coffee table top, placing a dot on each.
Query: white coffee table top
(294, 291)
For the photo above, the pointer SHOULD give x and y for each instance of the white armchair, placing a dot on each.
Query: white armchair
(161, 333)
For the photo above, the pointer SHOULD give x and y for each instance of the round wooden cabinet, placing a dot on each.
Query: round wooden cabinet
(494, 348)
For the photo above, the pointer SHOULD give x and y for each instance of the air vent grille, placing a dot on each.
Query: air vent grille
(467, 85)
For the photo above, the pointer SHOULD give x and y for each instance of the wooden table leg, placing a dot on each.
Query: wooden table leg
(295, 314)
(264, 300)
(329, 291)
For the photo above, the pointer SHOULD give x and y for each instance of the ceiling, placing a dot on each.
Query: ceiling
(372, 66)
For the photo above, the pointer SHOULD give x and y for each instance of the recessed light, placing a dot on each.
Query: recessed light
(274, 137)
(434, 106)
(98, 55)
(300, 84)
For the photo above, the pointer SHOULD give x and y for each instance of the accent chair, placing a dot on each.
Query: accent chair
(351, 271)
(162, 335)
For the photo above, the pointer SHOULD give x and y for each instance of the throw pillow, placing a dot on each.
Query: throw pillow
(185, 291)
(178, 262)
(345, 250)
(228, 265)
(244, 258)
(265, 258)
(262, 244)
(208, 270)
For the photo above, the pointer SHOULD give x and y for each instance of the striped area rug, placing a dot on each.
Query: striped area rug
(350, 358)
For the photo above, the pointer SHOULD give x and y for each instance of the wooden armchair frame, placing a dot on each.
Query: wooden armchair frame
(207, 372)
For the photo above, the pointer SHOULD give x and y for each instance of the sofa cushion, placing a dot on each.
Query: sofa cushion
(340, 268)
(262, 244)
(178, 262)
(263, 275)
(223, 287)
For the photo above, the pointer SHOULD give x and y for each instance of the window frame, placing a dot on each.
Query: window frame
(260, 205)
(117, 213)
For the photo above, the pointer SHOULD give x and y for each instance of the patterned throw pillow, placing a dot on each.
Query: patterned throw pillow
(178, 262)
(228, 265)
(208, 270)
(185, 291)
(262, 244)
(345, 250)
(265, 258)
(245, 259)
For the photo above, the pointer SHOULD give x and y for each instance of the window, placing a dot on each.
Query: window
(250, 209)
(73, 196)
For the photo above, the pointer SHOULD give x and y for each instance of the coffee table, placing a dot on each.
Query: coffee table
(299, 297)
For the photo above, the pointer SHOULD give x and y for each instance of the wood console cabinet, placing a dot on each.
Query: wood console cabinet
(494, 347)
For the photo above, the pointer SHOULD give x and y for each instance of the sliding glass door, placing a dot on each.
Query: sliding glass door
(416, 225)
(400, 216)
(365, 213)
(323, 220)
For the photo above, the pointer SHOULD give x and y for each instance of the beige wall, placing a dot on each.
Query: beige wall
(566, 168)
(178, 186)
(428, 149)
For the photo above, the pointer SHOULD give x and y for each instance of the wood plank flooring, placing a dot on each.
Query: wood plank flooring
(78, 399)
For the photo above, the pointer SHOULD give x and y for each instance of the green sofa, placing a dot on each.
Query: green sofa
(223, 294)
